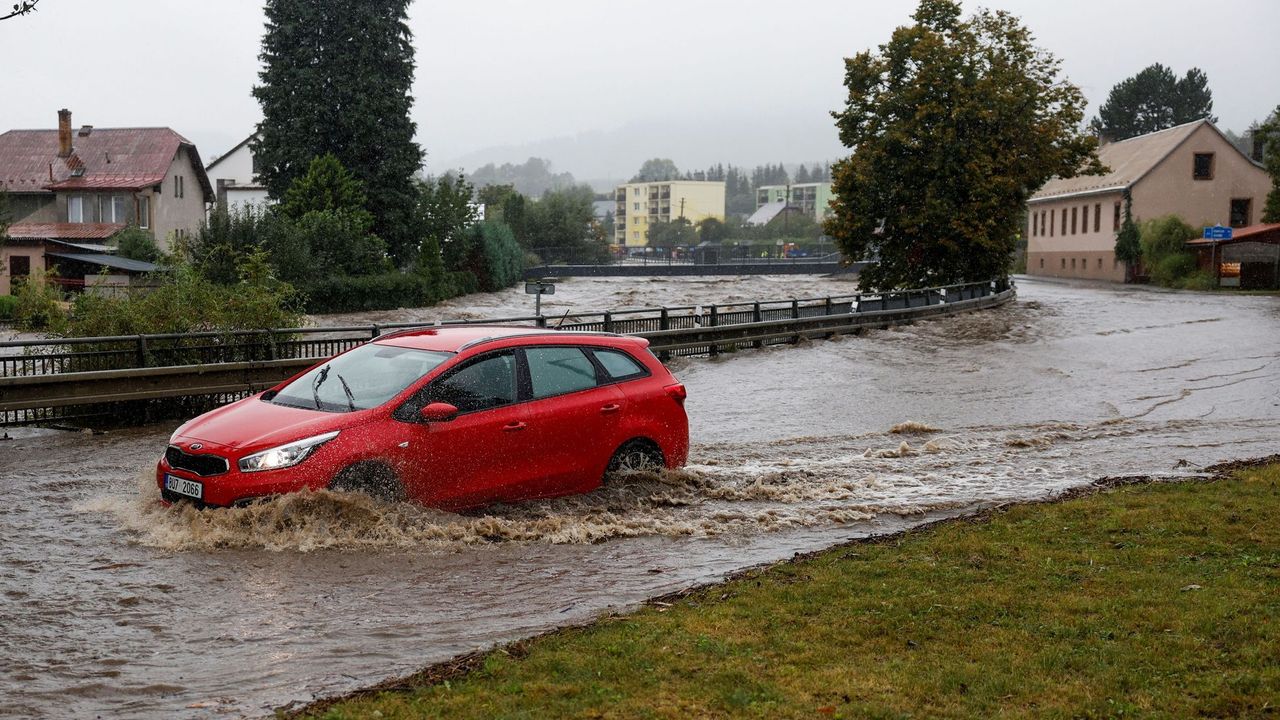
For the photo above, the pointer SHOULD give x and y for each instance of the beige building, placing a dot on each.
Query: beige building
(1191, 171)
(84, 185)
(639, 205)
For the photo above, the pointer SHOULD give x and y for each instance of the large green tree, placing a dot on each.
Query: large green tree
(1270, 132)
(1154, 99)
(336, 78)
(657, 169)
(953, 124)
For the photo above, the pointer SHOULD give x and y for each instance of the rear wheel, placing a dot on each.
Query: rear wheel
(373, 479)
(636, 456)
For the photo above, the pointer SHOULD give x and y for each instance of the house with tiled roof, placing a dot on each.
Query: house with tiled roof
(86, 184)
(1191, 171)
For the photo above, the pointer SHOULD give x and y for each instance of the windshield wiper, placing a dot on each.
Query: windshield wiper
(315, 384)
(351, 399)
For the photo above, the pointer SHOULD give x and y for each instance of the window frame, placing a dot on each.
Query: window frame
(1195, 165)
(143, 208)
(420, 398)
(591, 353)
(78, 202)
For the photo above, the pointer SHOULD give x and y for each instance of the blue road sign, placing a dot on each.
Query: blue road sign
(1217, 232)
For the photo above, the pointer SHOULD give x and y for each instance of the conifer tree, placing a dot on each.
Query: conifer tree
(336, 78)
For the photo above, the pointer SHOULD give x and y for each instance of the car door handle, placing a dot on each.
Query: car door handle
(512, 427)
(610, 408)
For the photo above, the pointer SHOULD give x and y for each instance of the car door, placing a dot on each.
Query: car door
(573, 414)
(468, 460)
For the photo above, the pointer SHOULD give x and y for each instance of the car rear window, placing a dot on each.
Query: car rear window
(559, 370)
(619, 365)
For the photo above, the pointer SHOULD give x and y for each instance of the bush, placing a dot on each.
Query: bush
(39, 303)
(8, 307)
(489, 252)
(1170, 270)
(185, 302)
(137, 244)
(1200, 280)
(1164, 250)
(386, 291)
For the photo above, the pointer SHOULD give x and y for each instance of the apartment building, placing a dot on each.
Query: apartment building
(639, 205)
(813, 199)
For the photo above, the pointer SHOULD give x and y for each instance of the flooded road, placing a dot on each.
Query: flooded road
(112, 605)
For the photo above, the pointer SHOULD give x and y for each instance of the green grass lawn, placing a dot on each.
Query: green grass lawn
(1159, 600)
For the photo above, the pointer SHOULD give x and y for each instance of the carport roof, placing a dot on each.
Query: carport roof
(111, 261)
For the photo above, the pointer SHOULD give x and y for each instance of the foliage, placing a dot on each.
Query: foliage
(337, 78)
(6, 217)
(22, 7)
(1128, 240)
(490, 253)
(712, 230)
(506, 204)
(137, 244)
(656, 169)
(1270, 131)
(953, 125)
(1154, 600)
(385, 291)
(185, 301)
(561, 227)
(1164, 250)
(1154, 99)
(40, 302)
(532, 178)
(8, 307)
(327, 186)
(337, 242)
(675, 233)
(226, 235)
(445, 208)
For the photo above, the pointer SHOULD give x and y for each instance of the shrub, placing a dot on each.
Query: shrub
(1164, 251)
(488, 251)
(1171, 269)
(8, 307)
(386, 291)
(39, 303)
(137, 244)
(1200, 280)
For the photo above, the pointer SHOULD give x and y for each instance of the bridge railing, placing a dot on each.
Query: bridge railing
(47, 380)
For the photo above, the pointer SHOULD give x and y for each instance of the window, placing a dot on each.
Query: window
(1041, 263)
(1073, 263)
(1084, 219)
(1241, 209)
(1051, 221)
(144, 212)
(1064, 222)
(1064, 263)
(111, 209)
(637, 206)
(619, 365)
(1099, 263)
(178, 189)
(1097, 217)
(487, 383)
(1203, 169)
(19, 267)
(75, 209)
(559, 370)
(1115, 220)
(1073, 222)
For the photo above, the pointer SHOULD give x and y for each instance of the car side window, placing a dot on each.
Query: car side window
(619, 365)
(559, 370)
(484, 384)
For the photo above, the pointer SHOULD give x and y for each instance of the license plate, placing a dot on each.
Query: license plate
(183, 486)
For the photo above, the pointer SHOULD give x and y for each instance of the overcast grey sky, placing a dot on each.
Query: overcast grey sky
(597, 86)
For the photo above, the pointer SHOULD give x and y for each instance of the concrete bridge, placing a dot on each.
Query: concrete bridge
(799, 266)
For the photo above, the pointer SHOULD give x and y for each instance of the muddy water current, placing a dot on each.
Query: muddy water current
(112, 605)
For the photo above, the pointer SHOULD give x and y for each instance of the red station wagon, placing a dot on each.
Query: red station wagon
(453, 417)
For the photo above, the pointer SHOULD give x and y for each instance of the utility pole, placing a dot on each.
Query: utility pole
(681, 208)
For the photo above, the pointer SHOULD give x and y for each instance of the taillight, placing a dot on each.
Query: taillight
(677, 392)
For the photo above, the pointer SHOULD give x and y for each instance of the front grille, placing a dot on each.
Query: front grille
(202, 465)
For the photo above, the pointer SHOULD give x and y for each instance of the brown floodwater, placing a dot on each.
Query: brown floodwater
(113, 605)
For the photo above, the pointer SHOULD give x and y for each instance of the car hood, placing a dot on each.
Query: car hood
(252, 424)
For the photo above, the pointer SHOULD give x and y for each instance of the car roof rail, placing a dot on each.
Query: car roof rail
(541, 333)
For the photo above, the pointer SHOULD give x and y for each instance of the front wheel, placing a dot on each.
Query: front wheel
(373, 479)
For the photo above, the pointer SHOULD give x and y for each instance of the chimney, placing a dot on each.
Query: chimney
(85, 130)
(64, 133)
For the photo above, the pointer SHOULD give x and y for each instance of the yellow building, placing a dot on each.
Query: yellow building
(639, 205)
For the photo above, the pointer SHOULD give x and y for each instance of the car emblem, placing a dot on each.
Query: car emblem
(196, 446)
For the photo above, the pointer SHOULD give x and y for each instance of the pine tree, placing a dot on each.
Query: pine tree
(336, 78)
(1154, 99)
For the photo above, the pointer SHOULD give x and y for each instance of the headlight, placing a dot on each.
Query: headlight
(285, 455)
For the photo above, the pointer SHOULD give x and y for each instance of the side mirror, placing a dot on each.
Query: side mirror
(438, 412)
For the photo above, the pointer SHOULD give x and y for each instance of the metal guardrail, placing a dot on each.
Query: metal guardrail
(71, 378)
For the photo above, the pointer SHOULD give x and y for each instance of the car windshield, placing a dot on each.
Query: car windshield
(364, 378)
